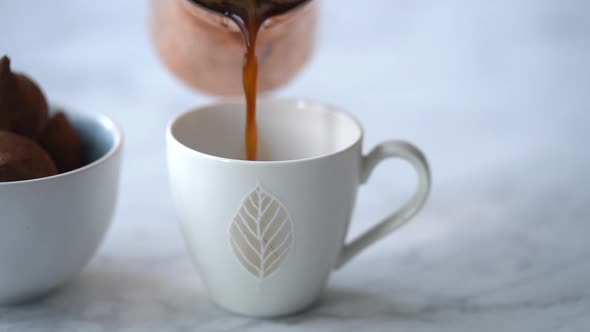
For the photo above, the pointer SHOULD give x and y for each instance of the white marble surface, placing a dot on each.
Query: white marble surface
(496, 92)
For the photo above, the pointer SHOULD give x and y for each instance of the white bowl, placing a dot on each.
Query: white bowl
(51, 227)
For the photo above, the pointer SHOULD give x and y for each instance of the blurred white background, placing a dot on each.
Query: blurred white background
(457, 77)
(497, 93)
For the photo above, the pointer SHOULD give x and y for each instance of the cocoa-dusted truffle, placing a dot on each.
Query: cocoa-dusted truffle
(5, 114)
(23, 107)
(23, 159)
(61, 140)
(4, 119)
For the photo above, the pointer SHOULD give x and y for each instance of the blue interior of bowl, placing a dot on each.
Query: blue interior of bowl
(96, 136)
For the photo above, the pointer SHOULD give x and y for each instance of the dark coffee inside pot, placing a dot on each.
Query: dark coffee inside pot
(250, 15)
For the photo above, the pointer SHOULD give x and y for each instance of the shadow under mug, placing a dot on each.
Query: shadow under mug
(265, 235)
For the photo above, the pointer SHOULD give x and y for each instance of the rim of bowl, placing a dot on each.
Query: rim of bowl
(99, 118)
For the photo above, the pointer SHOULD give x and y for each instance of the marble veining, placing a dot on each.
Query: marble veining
(495, 92)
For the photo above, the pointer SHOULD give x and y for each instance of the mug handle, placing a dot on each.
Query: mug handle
(384, 151)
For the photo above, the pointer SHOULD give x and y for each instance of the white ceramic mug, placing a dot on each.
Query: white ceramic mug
(265, 235)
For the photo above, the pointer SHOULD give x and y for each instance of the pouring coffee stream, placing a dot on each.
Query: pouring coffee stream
(250, 15)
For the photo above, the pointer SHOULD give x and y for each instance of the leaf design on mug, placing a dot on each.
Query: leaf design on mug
(261, 233)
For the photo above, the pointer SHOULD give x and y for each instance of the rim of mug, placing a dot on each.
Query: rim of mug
(239, 100)
(105, 122)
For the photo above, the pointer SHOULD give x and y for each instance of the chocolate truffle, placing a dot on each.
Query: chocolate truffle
(4, 120)
(23, 107)
(23, 159)
(61, 140)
